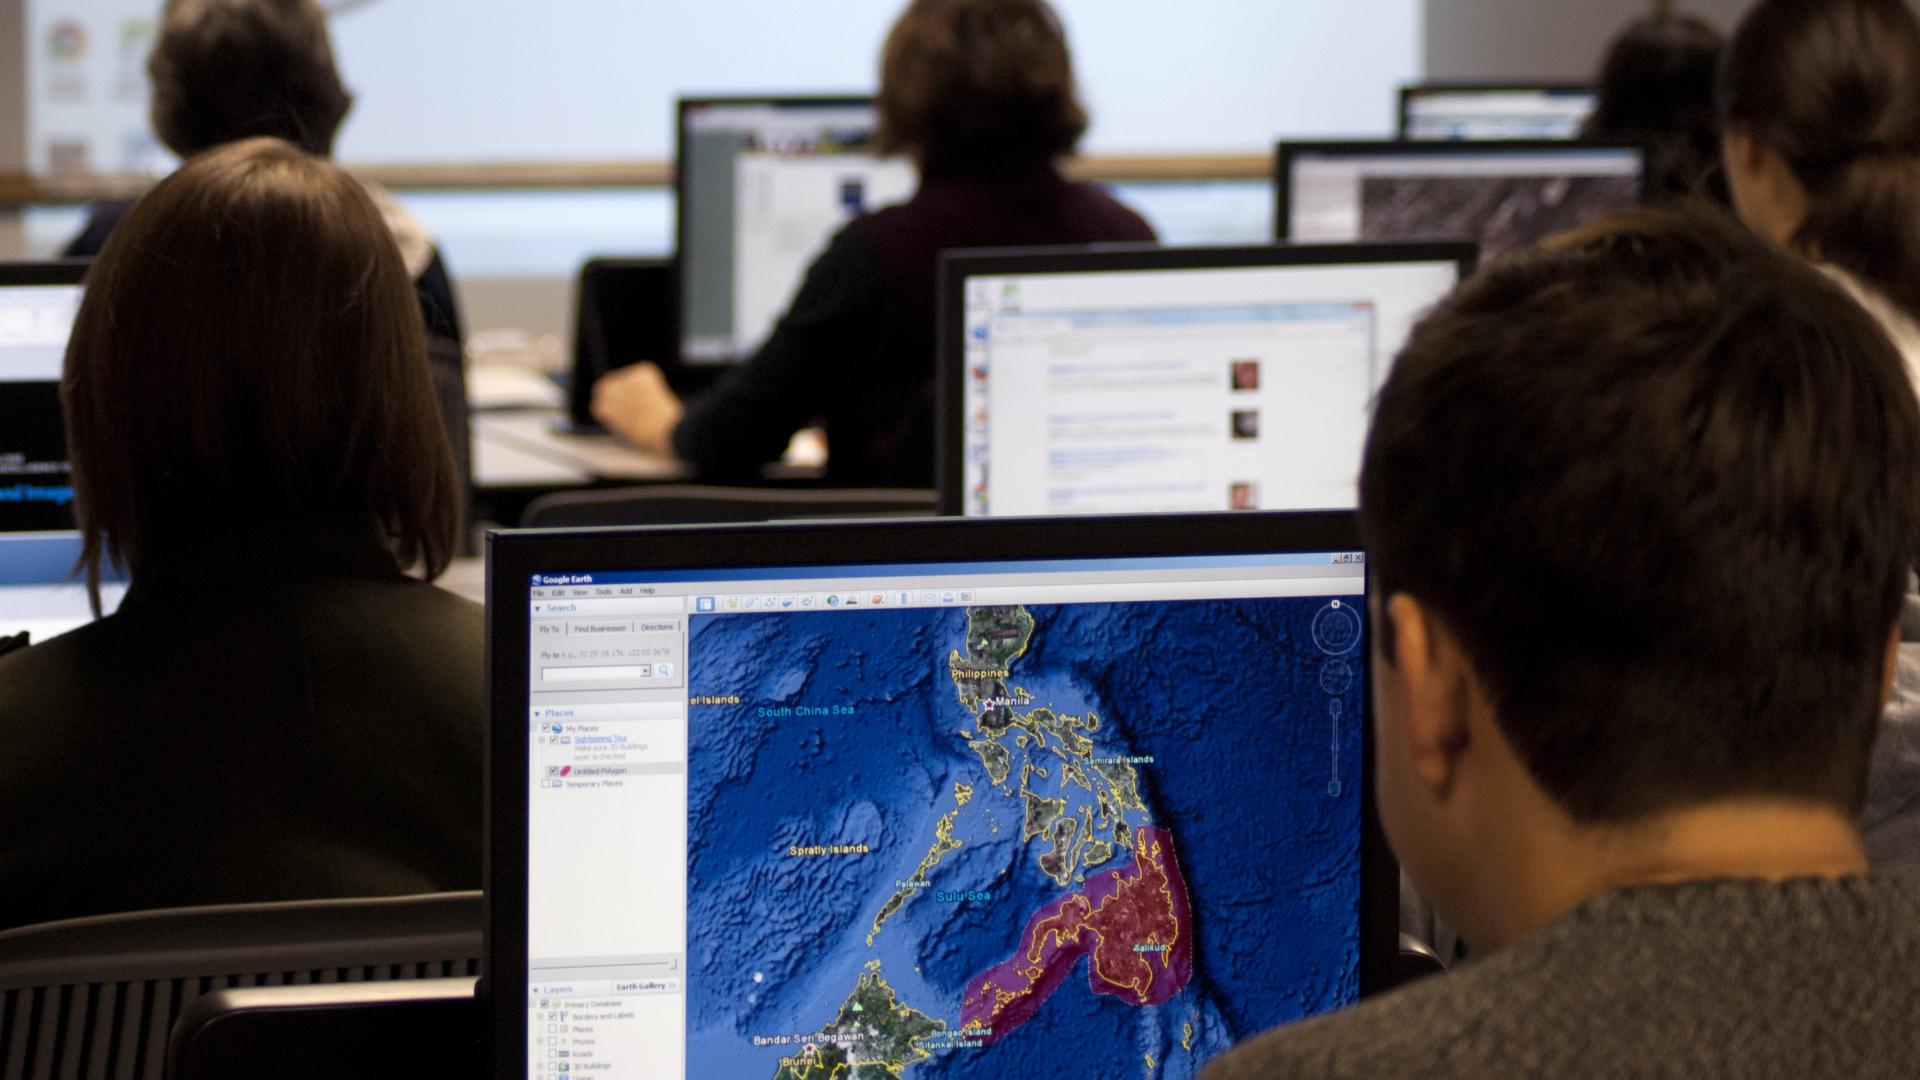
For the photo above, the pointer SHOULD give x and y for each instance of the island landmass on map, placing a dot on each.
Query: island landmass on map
(1135, 926)
(874, 1037)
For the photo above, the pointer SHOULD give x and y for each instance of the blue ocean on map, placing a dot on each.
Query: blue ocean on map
(827, 749)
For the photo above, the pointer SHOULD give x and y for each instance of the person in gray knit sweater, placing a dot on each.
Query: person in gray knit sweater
(1640, 507)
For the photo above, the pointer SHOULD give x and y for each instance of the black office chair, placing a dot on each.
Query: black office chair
(697, 504)
(624, 312)
(1416, 961)
(98, 997)
(418, 1029)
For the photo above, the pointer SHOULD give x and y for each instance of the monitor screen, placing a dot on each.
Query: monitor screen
(1061, 816)
(38, 547)
(1504, 195)
(1135, 382)
(36, 492)
(763, 185)
(1494, 112)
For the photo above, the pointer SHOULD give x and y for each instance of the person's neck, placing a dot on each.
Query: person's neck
(1752, 839)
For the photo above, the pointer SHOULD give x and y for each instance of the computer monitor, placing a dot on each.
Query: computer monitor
(1503, 194)
(1452, 111)
(963, 798)
(763, 184)
(1077, 381)
(38, 544)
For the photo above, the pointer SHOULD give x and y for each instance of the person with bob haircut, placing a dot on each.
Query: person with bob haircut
(1820, 105)
(1638, 511)
(276, 711)
(1656, 83)
(980, 93)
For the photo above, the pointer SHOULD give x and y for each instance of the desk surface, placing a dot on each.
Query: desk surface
(532, 435)
(526, 449)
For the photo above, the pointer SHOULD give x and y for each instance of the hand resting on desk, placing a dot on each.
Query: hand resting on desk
(636, 403)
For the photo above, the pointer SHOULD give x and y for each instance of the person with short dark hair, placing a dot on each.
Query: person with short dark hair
(1638, 508)
(1820, 104)
(225, 70)
(1656, 84)
(276, 711)
(980, 93)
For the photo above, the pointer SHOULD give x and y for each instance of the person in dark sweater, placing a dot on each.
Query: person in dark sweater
(1656, 83)
(1639, 507)
(276, 711)
(980, 93)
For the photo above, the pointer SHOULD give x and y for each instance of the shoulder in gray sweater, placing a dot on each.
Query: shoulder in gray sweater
(1722, 979)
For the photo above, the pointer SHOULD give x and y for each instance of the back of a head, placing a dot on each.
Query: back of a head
(1660, 480)
(224, 70)
(1833, 86)
(249, 348)
(1656, 83)
(978, 85)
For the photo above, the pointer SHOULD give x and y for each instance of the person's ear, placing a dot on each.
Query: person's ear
(1741, 152)
(1435, 682)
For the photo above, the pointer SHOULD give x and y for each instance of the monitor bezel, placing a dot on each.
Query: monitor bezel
(44, 272)
(950, 364)
(683, 107)
(1286, 151)
(1408, 91)
(513, 556)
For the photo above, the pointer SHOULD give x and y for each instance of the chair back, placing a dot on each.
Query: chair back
(417, 1029)
(98, 997)
(623, 314)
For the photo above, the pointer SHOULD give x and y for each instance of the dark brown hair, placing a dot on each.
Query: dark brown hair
(1833, 86)
(1663, 483)
(978, 84)
(249, 348)
(1656, 83)
(233, 69)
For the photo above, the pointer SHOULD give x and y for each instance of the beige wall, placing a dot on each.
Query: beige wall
(1538, 39)
(13, 86)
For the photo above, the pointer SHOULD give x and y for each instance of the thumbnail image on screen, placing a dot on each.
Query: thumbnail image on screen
(764, 186)
(36, 490)
(977, 827)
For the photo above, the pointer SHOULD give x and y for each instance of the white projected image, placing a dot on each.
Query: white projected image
(87, 88)
(476, 81)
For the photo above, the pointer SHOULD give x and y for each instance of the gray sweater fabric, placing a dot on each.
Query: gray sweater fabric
(1712, 980)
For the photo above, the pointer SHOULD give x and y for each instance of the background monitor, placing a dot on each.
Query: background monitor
(762, 185)
(1503, 194)
(1077, 381)
(805, 800)
(38, 544)
(1451, 111)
